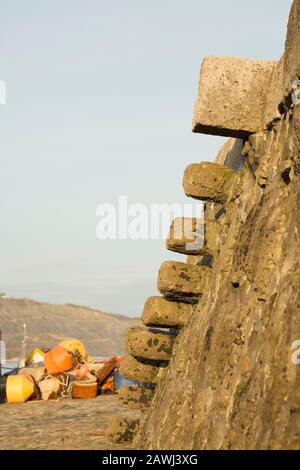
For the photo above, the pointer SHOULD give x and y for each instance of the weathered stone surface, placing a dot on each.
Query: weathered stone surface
(121, 430)
(275, 95)
(159, 311)
(235, 367)
(149, 344)
(210, 237)
(231, 154)
(205, 260)
(205, 244)
(292, 49)
(211, 209)
(183, 281)
(236, 385)
(235, 159)
(134, 369)
(135, 397)
(286, 71)
(224, 150)
(232, 96)
(186, 236)
(214, 214)
(210, 182)
(191, 259)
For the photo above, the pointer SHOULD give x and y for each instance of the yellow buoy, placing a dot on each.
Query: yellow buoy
(73, 345)
(36, 356)
(19, 388)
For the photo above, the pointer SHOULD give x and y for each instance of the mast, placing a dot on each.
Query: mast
(22, 355)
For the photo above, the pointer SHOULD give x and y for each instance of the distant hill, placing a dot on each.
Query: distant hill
(48, 324)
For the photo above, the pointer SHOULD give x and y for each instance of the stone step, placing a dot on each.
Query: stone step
(209, 182)
(183, 281)
(192, 237)
(121, 430)
(134, 369)
(186, 236)
(149, 344)
(135, 397)
(159, 311)
(232, 96)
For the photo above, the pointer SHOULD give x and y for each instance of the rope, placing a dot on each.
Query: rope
(67, 384)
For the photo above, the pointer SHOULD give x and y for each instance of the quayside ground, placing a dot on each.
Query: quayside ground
(63, 424)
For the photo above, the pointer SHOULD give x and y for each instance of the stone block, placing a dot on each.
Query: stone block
(134, 369)
(149, 344)
(210, 182)
(183, 281)
(232, 96)
(186, 236)
(135, 397)
(159, 311)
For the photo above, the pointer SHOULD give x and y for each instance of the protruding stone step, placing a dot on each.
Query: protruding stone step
(121, 430)
(159, 311)
(135, 397)
(232, 96)
(149, 344)
(209, 182)
(134, 369)
(183, 281)
(186, 236)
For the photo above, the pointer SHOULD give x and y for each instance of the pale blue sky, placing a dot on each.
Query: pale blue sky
(100, 99)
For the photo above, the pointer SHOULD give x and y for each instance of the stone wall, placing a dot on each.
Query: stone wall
(224, 378)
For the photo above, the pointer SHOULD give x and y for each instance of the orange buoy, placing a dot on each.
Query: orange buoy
(19, 388)
(85, 389)
(58, 359)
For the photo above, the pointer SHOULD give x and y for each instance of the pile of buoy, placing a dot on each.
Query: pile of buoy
(65, 371)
